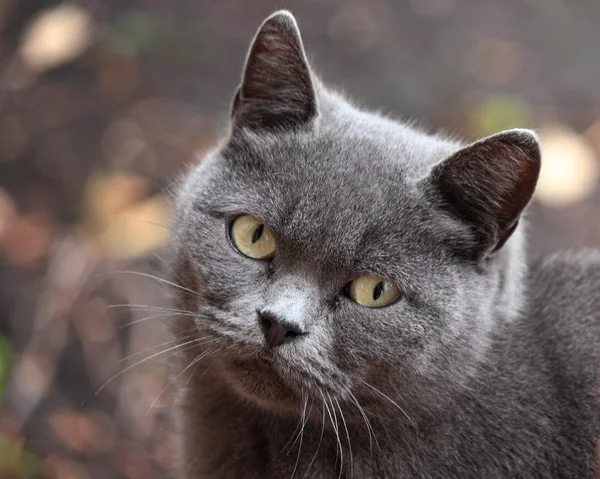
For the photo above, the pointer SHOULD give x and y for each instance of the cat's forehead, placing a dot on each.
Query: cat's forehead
(349, 145)
(321, 173)
(349, 162)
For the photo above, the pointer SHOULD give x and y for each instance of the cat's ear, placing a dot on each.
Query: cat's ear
(489, 183)
(277, 89)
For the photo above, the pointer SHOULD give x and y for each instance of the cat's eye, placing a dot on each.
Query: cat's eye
(252, 238)
(373, 291)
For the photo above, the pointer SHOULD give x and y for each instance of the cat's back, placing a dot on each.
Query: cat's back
(540, 394)
(564, 309)
(563, 328)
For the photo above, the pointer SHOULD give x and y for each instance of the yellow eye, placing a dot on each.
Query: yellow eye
(373, 291)
(252, 238)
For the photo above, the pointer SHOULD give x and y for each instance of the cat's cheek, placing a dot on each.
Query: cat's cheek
(314, 359)
(390, 339)
(233, 284)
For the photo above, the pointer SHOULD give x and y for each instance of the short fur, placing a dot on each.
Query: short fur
(486, 367)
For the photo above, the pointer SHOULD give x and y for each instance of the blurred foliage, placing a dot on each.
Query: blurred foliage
(105, 103)
(16, 462)
(497, 113)
(137, 32)
(6, 359)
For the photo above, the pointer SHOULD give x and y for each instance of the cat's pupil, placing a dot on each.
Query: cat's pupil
(257, 233)
(378, 290)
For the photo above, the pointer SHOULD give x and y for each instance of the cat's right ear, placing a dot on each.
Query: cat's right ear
(277, 90)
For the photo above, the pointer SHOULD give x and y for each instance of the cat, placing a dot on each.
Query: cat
(358, 302)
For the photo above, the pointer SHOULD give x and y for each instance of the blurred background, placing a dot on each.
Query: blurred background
(103, 103)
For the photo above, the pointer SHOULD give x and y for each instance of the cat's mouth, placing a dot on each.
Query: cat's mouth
(264, 362)
(262, 378)
(262, 365)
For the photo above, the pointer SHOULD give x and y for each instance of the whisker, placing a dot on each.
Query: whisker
(367, 422)
(145, 307)
(304, 419)
(382, 422)
(191, 375)
(137, 354)
(136, 321)
(334, 425)
(157, 346)
(144, 360)
(337, 433)
(347, 436)
(156, 278)
(190, 378)
(292, 440)
(296, 435)
(153, 223)
(373, 388)
(320, 439)
(283, 449)
(192, 363)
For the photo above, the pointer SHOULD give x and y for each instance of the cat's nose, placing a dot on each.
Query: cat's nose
(277, 330)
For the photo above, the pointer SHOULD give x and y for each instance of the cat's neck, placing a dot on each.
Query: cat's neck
(511, 295)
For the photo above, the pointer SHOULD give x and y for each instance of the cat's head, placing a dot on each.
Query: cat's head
(333, 250)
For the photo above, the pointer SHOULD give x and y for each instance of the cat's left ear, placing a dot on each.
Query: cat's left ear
(277, 89)
(489, 183)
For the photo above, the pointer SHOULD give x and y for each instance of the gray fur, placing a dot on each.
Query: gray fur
(486, 367)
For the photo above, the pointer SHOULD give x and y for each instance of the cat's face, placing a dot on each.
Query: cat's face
(343, 195)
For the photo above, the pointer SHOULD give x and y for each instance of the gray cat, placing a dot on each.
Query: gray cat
(360, 302)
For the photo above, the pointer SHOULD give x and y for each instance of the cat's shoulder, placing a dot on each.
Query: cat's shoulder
(568, 280)
(564, 294)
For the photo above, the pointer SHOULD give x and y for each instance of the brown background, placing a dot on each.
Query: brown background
(93, 130)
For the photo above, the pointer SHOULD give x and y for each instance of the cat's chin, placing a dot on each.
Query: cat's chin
(261, 383)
